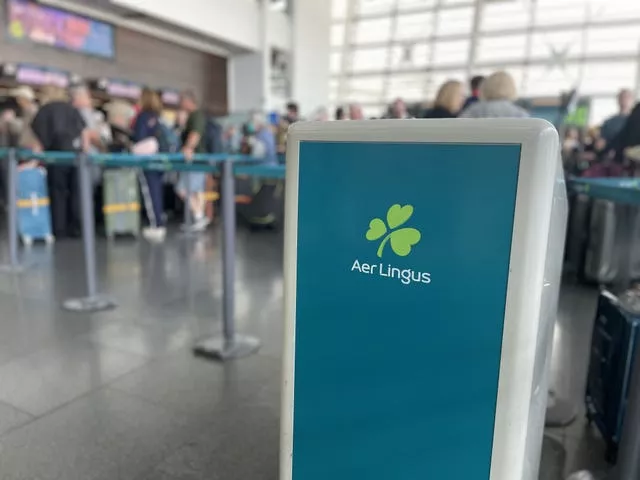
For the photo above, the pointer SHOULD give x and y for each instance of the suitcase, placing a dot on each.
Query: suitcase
(34, 211)
(607, 242)
(121, 202)
(613, 347)
(265, 210)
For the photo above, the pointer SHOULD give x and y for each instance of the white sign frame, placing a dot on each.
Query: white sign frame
(533, 282)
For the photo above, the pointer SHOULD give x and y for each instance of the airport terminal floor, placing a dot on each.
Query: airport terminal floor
(119, 395)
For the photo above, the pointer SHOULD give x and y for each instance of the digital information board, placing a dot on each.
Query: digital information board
(422, 266)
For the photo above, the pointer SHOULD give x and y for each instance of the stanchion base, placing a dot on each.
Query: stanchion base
(12, 268)
(217, 348)
(88, 304)
(560, 412)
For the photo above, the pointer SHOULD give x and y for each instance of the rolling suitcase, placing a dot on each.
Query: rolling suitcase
(266, 205)
(121, 203)
(613, 348)
(34, 211)
(608, 240)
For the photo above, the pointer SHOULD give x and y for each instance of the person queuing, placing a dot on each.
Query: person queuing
(147, 127)
(59, 126)
(448, 101)
(497, 98)
(193, 141)
(613, 125)
(398, 109)
(26, 100)
(475, 85)
(355, 112)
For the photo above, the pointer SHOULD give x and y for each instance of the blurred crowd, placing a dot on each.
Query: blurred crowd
(66, 120)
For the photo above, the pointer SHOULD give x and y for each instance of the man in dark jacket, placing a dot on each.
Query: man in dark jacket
(58, 126)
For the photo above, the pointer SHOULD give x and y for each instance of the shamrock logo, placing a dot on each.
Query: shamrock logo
(401, 239)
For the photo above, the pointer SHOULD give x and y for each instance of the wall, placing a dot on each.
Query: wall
(139, 58)
(232, 21)
(311, 49)
(246, 90)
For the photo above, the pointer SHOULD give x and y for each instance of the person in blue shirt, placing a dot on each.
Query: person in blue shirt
(613, 125)
(147, 125)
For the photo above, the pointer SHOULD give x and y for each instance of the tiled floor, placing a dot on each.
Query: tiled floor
(117, 395)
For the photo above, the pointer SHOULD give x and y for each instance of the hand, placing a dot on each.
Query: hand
(188, 154)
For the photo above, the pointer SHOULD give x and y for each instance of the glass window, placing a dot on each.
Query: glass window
(492, 49)
(366, 7)
(605, 77)
(558, 12)
(602, 108)
(365, 89)
(542, 81)
(376, 30)
(455, 21)
(410, 55)
(414, 26)
(502, 16)
(556, 46)
(369, 59)
(339, 8)
(437, 79)
(416, 4)
(409, 86)
(335, 62)
(374, 111)
(614, 10)
(613, 40)
(337, 34)
(451, 53)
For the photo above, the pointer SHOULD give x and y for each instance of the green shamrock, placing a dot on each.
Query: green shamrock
(401, 239)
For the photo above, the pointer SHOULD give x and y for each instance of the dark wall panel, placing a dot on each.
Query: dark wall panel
(139, 58)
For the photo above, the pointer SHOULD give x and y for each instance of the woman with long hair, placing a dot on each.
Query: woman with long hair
(147, 128)
(449, 101)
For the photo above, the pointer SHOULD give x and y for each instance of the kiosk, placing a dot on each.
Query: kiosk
(422, 267)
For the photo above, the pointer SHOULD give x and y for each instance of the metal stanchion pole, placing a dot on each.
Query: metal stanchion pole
(92, 302)
(229, 345)
(12, 213)
(187, 203)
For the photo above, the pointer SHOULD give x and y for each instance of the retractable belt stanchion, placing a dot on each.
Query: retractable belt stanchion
(12, 213)
(229, 345)
(187, 202)
(93, 301)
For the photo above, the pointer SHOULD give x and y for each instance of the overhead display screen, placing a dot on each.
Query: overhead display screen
(28, 21)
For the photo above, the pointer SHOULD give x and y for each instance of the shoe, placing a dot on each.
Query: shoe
(156, 234)
(200, 225)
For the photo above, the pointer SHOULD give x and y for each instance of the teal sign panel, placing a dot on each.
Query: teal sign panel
(403, 261)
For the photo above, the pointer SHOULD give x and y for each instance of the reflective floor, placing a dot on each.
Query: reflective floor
(117, 395)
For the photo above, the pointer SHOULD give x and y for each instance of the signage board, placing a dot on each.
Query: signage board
(420, 290)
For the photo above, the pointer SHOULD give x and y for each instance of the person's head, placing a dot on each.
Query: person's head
(398, 108)
(258, 121)
(119, 113)
(499, 86)
(625, 101)
(450, 96)
(25, 97)
(292, 111)
(476, 84)
(339, 113)
(320, 115)
(51, 93)
(355, 112)
(188, 101)
(80, 97)
(150, 101)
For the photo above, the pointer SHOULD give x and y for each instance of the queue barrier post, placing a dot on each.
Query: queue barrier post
(14, 265)
(92, 302)
(230, 345)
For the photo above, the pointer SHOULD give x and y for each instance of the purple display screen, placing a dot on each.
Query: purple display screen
(28, 21)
